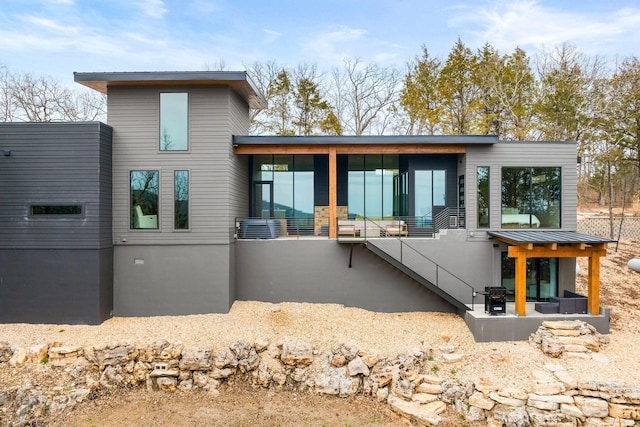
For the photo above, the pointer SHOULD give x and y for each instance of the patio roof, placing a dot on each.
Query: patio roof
(525, 244)
(548, 236)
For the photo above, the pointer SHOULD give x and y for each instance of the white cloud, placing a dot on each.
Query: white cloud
(270, 36)
(154, 8)
(49, 24)
(334, 46)
(528, 23)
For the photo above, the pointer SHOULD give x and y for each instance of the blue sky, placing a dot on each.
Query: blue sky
(58, 37)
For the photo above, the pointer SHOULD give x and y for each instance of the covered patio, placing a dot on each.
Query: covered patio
(554, 244)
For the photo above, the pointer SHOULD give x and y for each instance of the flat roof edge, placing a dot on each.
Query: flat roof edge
(366, 139)
(240, 81)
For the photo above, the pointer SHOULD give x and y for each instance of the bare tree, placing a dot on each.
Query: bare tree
(363, 95)
(24, 97)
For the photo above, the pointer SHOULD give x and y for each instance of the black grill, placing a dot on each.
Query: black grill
(495, 299)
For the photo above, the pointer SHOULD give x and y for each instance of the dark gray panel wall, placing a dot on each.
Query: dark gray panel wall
(55, 286)
(318, 271)
(55, 269)
(55, 163)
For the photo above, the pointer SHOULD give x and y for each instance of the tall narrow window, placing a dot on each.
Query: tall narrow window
(482, 178)
(181, 200)
(144, 199)
(174, 121)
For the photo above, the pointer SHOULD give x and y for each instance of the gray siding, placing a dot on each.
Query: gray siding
(523, 154)
(55, 163)
(165, 272)
(133, 112)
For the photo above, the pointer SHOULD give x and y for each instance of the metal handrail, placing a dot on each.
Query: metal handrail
(404, 246)
(279, 227)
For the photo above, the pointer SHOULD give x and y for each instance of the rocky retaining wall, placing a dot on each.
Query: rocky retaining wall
(409, 383)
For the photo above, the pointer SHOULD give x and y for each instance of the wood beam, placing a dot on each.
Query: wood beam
(351, 149)
(593, 287)
(333, 193)
(551, 246)
(559, 252)
(521, 284)
(282, 149)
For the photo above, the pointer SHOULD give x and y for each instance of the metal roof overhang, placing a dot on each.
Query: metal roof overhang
(547, 237)
(239, 81)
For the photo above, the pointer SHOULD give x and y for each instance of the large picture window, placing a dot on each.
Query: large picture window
(144, 199)
(181, 200)
(531, 197)
(174, 121)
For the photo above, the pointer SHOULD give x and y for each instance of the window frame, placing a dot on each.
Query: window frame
(45, 216)
(488, 198)
(188, 228)
(188, 124)
(528, 196)
(158, 202)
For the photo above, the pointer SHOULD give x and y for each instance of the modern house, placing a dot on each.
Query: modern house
(172, 209)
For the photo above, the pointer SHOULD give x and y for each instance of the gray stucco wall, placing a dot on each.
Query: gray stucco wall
(155, 280)
(318, 271)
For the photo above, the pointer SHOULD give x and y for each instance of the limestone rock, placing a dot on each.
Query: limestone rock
(540, 417)
(629, 412)
(452, 357)
(167, 383)
(562, 324)
(485, 385)
(382, 394)
(424, 398)
(571, 410)
(196, 360)
(64, 355)
(261, 344)
(19, 357)
(246, 355)
(402, 388)
(414, 411)
(37, 353)
(507, 401)
(5, 352)
(511, 416)
(431, 379)
(225, 360)
(115, 355)
(297, 354)
(429, 388)
(357, 367)
(592, 407)
(348, 351)
(479, 400)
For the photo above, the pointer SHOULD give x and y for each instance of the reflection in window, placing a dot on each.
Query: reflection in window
(144, 199)
(371, 185)
(66, 210)
(483, 196)
(181, 200)
(174, 121)
(542, 277)
(292, 177)
(531, 197)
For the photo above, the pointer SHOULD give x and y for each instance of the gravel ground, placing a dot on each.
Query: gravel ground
(384, 334)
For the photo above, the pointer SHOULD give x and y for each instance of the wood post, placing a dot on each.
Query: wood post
(521, 284)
